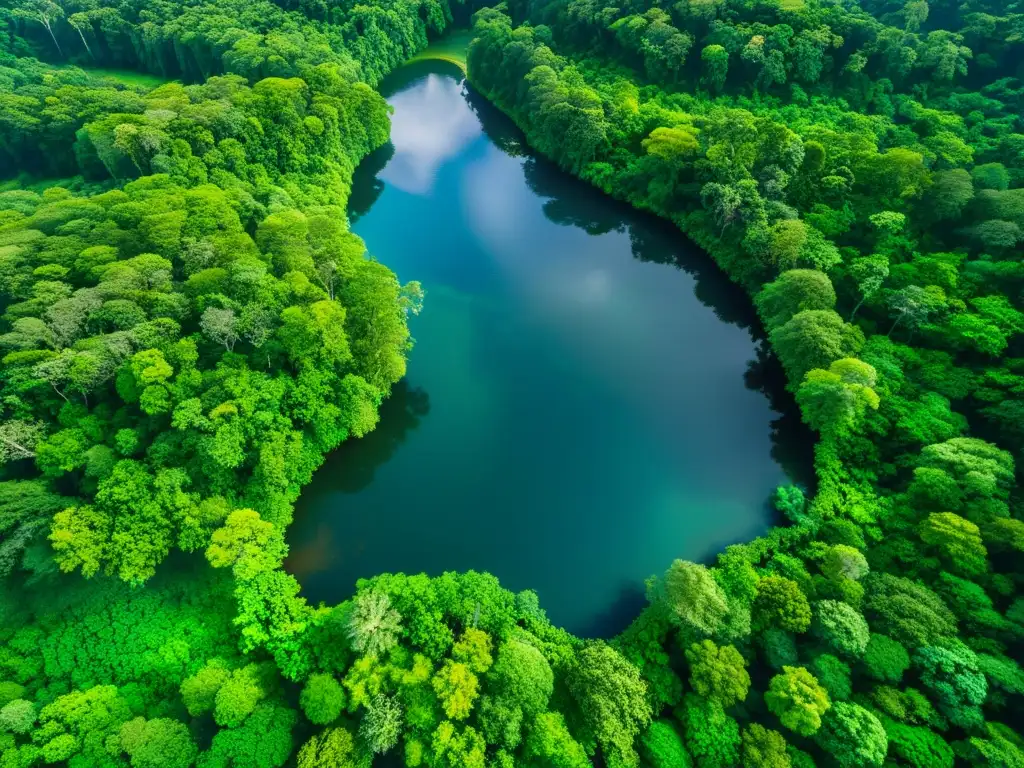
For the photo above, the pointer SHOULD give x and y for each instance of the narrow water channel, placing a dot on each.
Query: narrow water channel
(586, 399)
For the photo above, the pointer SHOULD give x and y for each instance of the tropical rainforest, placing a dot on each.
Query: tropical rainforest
(189, 327)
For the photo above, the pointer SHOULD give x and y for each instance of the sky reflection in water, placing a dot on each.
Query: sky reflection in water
(574, 416)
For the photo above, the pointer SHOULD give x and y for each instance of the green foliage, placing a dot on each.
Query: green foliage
(331, 748)
(322, 699)
(853, 736)
(957, 540)
(474, 649)
(910, 613)
(264, 740)
(834, 676)
(844, 562)
(712, 737)
(456, 688)
(952, 673)
(884, 659)
(522, 677)
(792, 292)
(189, 328)
(918, 747)
(779, 648)
(159, 742)
(612, 700)
(17, 717)
(718, 674)
(836, 400)
(662, 747)
(690, 596)
(382, 724)
(797, 699)
(549, 743)
(841, 627)
(373, 625)
(764, 748)
(781, 605)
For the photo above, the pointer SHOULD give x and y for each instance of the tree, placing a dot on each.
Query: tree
(79, 22)
(788, 240)
(199, 692)
(934, 489)
(454, 748)
(239, 696)
(909, 613)
(841, 627)
(662, 747)
(885, 659)
(843, 561)
(246, 543)
(997, 236)
(382, 723)
(834, 401)
(724, 203)
(980, 468)
(919, 747)
(77, 725)
(457, 688)
(944, 53)
(44, 12)
(794, 291)
(950, 193)
(550, 745)
(958, 541)
(712, 737)
(612, 699)
(322, 699)
(314, 335)
(791, 501)
(715, 61)
(19, 438)
(764, 748)
(522, 677)
(913, 305)
(690, 596)
(474, 649)
(781, 604)
(952, 673)
(813, 338)
(331, 748)
(717, 673)
(797, 699)
(264, 739)
(991, 176)
(869, 272)
(221, 326)
(17, 716)
(159, 743)
(853, 736)
(834, 676)
(373, 625)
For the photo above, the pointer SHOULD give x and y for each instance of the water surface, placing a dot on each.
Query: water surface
(585, 401)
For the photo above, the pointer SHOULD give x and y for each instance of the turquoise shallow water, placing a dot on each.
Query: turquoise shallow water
(586, 399)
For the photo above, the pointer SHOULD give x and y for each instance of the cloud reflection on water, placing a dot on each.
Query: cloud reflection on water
(424, 135)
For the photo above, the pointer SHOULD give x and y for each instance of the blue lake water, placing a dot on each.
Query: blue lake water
(586, 399)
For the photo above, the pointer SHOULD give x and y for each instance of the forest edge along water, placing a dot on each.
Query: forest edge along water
(588, 397)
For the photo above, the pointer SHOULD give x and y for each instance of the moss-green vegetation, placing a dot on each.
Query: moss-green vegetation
(451, 48)
(127, 77)
(189, 327)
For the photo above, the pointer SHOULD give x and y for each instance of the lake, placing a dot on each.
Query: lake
(588, 397)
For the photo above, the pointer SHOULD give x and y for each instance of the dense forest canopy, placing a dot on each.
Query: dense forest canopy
(189, 327)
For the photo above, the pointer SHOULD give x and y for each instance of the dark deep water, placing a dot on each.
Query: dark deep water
(585, 401)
